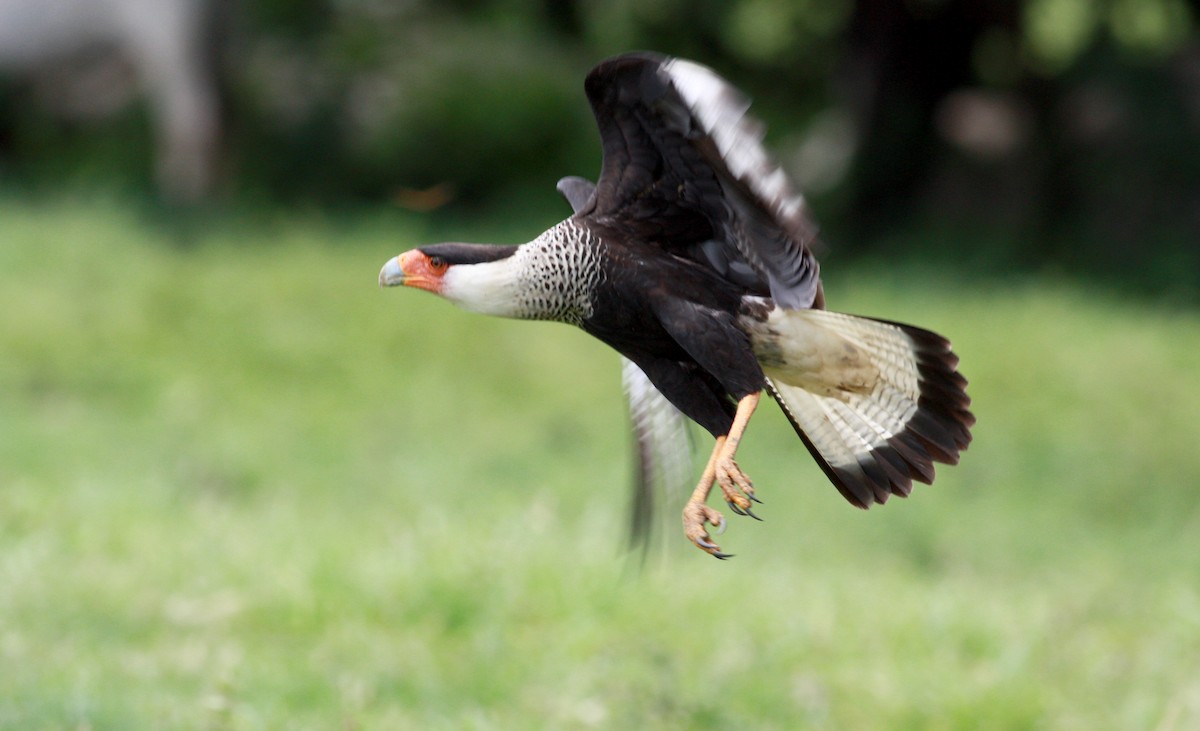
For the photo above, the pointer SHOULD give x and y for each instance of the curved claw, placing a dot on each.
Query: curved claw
(713, 549)
(697, 515)
(746, 510)
(738, 489)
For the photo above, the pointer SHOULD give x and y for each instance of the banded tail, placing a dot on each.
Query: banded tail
(875, 402)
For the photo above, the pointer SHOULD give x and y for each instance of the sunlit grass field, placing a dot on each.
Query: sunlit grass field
(243, 488)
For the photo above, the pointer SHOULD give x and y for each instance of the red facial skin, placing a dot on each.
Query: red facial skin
(421, 271)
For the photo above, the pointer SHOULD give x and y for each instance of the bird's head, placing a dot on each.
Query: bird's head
(474, 276)
(415, 268)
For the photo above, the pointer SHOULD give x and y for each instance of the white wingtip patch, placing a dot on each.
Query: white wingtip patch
(721, 110)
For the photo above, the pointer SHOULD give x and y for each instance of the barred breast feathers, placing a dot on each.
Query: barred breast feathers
(559, 273)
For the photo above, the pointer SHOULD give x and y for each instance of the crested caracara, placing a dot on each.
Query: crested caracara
(692, 256)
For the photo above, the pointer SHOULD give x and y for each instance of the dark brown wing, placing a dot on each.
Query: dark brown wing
(684, 168)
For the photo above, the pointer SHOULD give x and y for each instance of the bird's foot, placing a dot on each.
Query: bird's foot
(738, 490)
(695, 515)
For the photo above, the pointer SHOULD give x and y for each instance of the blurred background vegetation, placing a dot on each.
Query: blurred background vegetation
(1057, 134)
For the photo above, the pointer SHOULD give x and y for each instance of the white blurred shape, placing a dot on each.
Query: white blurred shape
(165, 42)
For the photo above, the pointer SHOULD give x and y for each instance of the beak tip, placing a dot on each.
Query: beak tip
(391, 274)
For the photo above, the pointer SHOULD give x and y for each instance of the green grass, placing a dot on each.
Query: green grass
(243, 488)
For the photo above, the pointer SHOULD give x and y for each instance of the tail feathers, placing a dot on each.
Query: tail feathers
(877, 403)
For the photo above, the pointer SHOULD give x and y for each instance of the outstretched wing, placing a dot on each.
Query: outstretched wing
(662, 443)
(684, 167)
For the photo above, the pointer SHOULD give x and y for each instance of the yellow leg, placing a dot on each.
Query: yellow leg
(723, 470)
(738, 489)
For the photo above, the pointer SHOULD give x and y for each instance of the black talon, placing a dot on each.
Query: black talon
(752, 515)
(733, 506)
(705, 543)
(722, 556)
(752, 497)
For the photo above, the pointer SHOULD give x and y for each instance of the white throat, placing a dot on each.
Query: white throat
(490, 288)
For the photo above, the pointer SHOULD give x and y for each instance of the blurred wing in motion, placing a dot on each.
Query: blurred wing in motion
(663, 447)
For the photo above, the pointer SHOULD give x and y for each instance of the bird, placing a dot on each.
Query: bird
(692, 256)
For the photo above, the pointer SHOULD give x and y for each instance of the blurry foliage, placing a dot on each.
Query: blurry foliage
(1065, 131)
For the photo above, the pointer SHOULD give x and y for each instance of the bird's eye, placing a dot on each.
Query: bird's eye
(437, 263)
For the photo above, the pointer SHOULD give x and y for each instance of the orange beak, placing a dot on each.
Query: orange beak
(412, 269)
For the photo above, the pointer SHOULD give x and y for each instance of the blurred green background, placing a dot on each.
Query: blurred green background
(242, 488)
